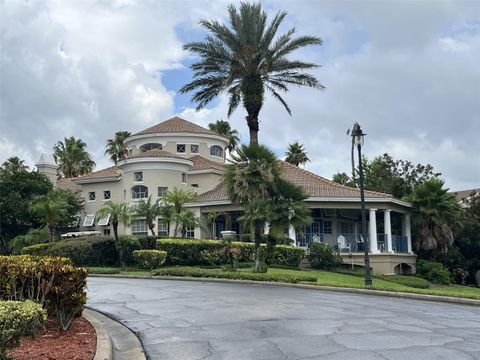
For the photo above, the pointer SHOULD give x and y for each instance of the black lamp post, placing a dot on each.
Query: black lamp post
(358, 138)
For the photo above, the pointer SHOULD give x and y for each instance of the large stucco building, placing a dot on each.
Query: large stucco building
(179, 153)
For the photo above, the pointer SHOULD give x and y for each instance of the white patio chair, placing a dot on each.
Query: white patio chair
(342, 244)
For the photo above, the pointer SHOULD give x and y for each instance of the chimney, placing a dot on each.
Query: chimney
(46, 165)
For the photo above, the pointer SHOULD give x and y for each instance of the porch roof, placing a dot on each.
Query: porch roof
(314, 186)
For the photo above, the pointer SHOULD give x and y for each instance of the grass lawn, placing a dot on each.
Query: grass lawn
(325, 278)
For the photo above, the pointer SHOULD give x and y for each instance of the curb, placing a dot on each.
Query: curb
(391, 294)
(122, 342)
(104, 342)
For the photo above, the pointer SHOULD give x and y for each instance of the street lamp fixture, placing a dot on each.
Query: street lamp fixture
(359, 138)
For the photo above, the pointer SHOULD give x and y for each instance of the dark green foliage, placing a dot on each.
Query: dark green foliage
(125, 246)
(17, 190)
(433, 271)
(296, 154)
(88, 251)
(33, 237)
(322, 256)
(147, 242)
(209, 252)
(149, 259)
(237, 275)
(51, 281)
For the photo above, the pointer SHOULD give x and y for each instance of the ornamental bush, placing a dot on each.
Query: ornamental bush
(433, 271)
(83, 251)
(17, 319)
(208, 252)
(51, 281)
(149, 259)
(322, 256)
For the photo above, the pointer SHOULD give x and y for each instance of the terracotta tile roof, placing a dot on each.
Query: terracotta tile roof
(108, 172)
(155, 153)
(465, 194)
(68, 184)
(312, 184)
(176, 125)
(200, 163)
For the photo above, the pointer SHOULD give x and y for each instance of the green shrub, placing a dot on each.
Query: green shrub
(407, 280)
(238, 275)
(17, 319)
(322, 256)
(433, 271)
(51, 281)
(83, 251)
(149, 259)
(33, 237)
(206, 252)
(147, 242)
(125, 246)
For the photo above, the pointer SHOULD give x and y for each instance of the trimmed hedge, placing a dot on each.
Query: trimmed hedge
(83, 251)
(433, 271)
(149, 259)
(18, 319)
(51, 281)
(234, 275)
(207, 252)
(322, 256)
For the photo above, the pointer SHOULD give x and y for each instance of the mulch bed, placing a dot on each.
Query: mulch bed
(78, 343)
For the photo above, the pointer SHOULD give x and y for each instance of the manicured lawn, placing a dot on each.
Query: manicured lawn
(325, 278)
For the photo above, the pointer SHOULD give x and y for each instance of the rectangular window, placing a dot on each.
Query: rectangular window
(106, 232)
(104, 221)
(89, 220)
(194, 149)
(139, 227)
(327, 227)
(91, 196)
(346, 228)
(138, 176)
(107, 195)
(162, 228)
(162, 190)
(184, 178)
(180, 148)
(190, 233)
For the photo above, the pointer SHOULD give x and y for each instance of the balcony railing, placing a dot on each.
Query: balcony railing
(400, 243)
(306, 238)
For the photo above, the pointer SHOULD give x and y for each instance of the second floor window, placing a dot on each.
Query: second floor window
(139, 192)
(91, 196)
(107, 195)
(180, 148)
(194, 149)
(138, 176)
(162, 190)
(216, 151)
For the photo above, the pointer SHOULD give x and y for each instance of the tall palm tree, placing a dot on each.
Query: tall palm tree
(185, 219)
(177, 198)
(250, 179)
(223, 128)
(296, 154)
(14, 164)
(434, 212)
(150, 211)
(116, 147)
(72, 157)
(118, 212)
(51, 209)
(247, 58)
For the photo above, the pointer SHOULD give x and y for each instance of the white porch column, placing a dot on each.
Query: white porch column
(292, 234)
(388, 230)
(407, 231)
(266, 228)
(372, 231)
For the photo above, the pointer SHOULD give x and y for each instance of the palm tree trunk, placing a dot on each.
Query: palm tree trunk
(252, 94)
(51, 230)
(253, 129)
(257, 235)
(151, 229)
(115, 230)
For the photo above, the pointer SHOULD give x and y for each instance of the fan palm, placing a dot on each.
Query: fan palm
(51, 209)
(185, 219)
(150, 211)
(247, 58)
(13, 165)
(118, 212)
(177, 198)
(116, 147)
(72, 157)
(296, 154)
(223, 128)
(434, 211)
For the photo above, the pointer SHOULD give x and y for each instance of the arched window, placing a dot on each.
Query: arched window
(216, 151)
(150, 146)
(139, 192)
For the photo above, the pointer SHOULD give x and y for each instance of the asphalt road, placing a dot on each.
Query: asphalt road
(195, 320)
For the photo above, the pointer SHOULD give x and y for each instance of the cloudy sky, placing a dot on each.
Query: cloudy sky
(408, 72)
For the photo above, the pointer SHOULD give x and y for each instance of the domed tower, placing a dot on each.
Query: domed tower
(46, 165)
